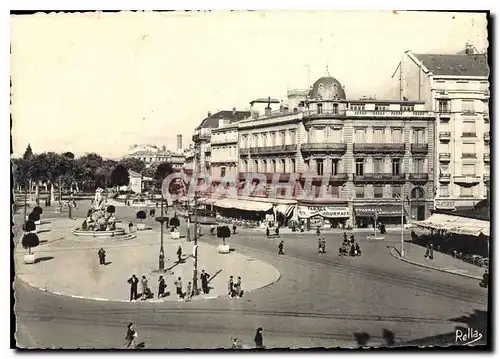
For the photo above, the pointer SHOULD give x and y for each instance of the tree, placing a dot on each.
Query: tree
(37, 210)
(162, 171)
(69, 155)
(133, 164)
(150, 171)
(119, 176)
(174, 222)
(223, 232)
(30, 240)
(111, 209)
(29, 226)
(141, 215)
(28, 153)
(34, 216)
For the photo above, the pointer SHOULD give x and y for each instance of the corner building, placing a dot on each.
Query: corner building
(368, 150)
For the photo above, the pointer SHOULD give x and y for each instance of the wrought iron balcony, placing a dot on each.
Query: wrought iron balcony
(467, 179)
(379, 178)
(379, 147)
(469, 155)
(468, 134)
(486, 157)
(419, 177)
(444, 177)
(486, 137)
(445, 136)
(445, 157)
(268, 150)
(419, 148)
(331, 147)
(444, 113)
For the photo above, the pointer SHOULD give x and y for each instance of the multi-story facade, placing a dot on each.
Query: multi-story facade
(152, 154)
(189, 158)
(224, 155)
(456, 88)
(366, 155)
(203, 134)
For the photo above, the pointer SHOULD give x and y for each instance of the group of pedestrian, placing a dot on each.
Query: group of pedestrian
(146, 290)
(349, 247)
(234, 289)
(429, 251)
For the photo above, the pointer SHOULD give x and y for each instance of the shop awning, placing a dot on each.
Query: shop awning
(382, 211)
(285, 209)
(243, 205)
(458, 225)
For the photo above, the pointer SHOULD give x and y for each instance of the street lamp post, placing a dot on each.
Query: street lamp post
(195, 269)
(25, 199)
(402, 224)
(162, 254)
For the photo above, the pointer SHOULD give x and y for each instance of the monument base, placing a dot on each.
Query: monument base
(375, 237)
(29, 258)
(223, 249)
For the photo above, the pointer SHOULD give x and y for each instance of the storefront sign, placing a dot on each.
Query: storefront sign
(380, 211)
(445, 205)
(326, 211)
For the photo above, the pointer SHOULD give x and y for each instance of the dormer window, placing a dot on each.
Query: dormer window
(320, 108)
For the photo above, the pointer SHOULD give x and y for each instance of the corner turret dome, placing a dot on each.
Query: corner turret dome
(327, 88)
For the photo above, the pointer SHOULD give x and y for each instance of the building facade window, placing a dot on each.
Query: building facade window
(465, 191)
(396, 191)
(358, 107)
(469, 126)
(264, 139)
(397, 135)
(292, 137)
(444, 106)
(418, 165)
(223, 171)
(486, 108)
(468, 169)
(335, 167)
(444, 190)
(469, 150)
(360, 163)
(417, 193)
(407, 108)
(378, 165)
(256, 166)
(381, 107)
(360, 191)
(283, 138)
(273, 138)
(334, 191)
(396, 166)
(468, 106)
(293, 168)
(283, 165)
(320, 108)
(418, 135)
(378, 135)
(360, 135)
(378, 191)
(319, 167)
(264, 166)
(306, 165)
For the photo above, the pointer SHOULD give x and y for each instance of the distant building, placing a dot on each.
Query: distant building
(456, 88)
(150, 154)
(135, 182)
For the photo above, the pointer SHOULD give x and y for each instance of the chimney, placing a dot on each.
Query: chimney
(234, 110)
(469, 49)
(255, 115)
(209, 114)
(179, 142)
(268, 111)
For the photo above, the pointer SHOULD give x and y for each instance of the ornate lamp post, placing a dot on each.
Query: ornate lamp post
(195, 247)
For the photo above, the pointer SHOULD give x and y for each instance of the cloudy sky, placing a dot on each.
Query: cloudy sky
(102, 82)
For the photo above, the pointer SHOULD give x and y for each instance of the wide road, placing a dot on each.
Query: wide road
(320, 300)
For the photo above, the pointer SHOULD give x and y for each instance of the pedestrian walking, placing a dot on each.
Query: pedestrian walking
(431, 251)
(319, 245)
(178, 288)
(352, 238)
(204, 281)
(323, 245)
(268, 233)
(318, 232)
(179, 253)
(280, 248)
(259, 339)
(133, 281)
(234, 228)
(130, 226)
(230, 287)
(131, 336)
(145, 288)
(102, 256)
(161, 287)
(189, 292)
(345, 237)
(237, 288)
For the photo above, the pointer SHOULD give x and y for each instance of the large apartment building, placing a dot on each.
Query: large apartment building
(369, 151)
(456, 88)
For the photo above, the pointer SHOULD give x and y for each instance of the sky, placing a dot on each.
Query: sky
(102, 82)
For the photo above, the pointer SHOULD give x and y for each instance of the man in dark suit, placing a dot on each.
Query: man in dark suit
(204, 281)
(133, 287)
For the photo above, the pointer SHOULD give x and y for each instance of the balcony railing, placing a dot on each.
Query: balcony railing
(323, 113)
(469, 155)
(379, 147)
(419, 177)
(469, 112)
(445, 136)
(324, 147)
(379, 178)
(444, 177)
(444, 112)
(468, 134)
(419, 147)
(445, 157)
(224, 139)
(486, 157)
(486, 137)
(268, 150)
(467, 179)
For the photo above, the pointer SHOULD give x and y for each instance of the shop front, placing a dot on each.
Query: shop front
(389, 215)
(323, 216)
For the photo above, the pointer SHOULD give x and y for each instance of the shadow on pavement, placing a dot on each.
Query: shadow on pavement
(107, 263)
(43, 259)
(43, 231)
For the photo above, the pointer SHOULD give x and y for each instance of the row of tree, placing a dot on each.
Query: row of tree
(87, 172)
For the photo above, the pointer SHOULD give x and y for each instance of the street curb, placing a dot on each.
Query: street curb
(398, 256)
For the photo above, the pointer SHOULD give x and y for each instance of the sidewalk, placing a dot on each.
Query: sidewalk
(70, 266)
(414, 254)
